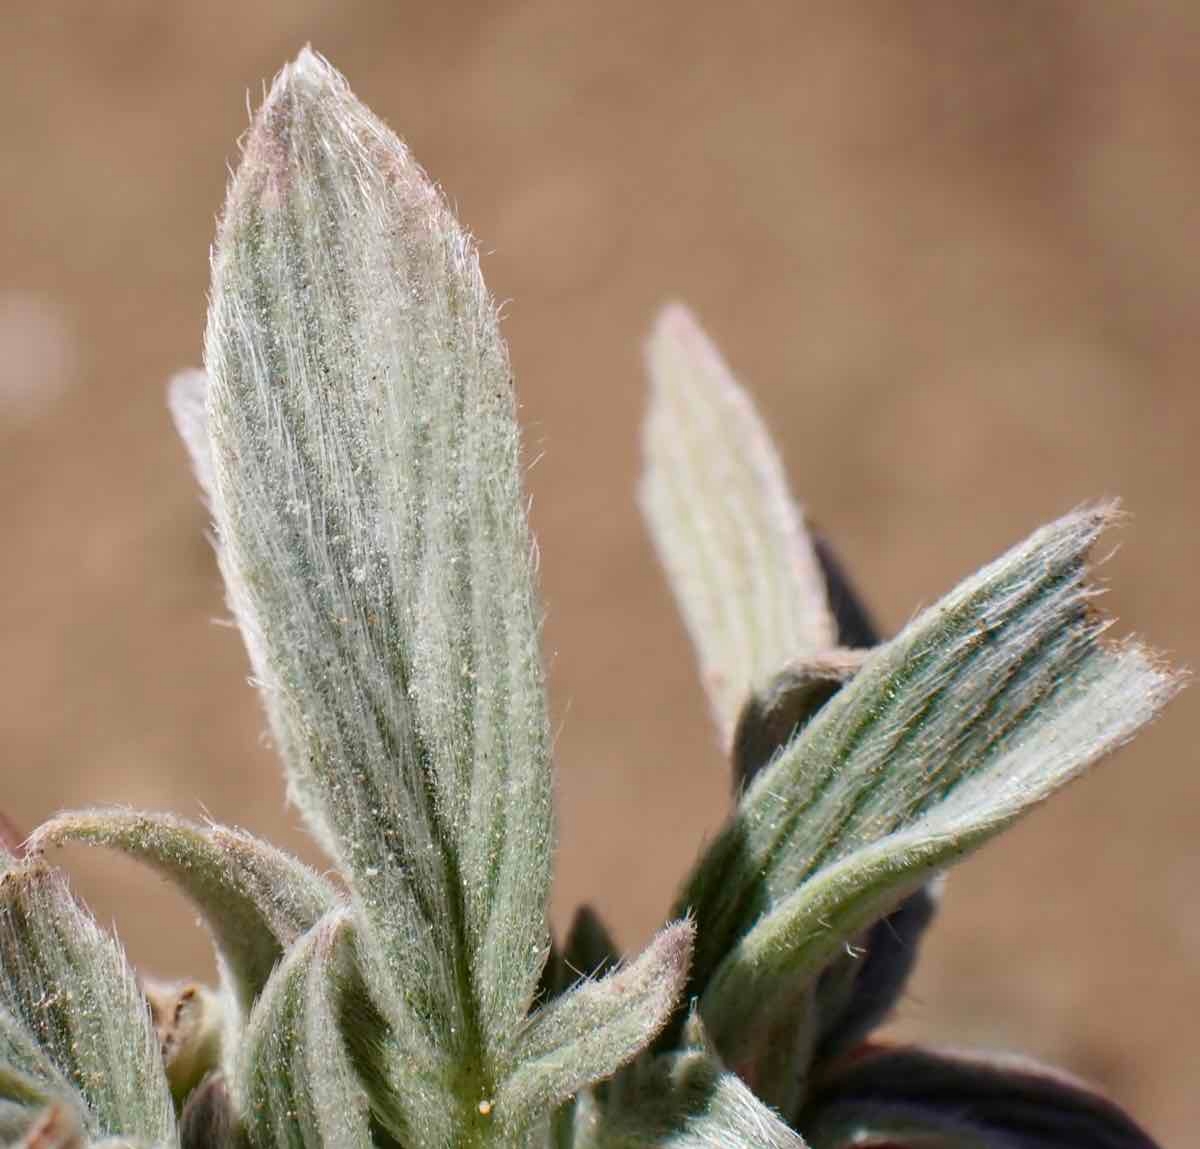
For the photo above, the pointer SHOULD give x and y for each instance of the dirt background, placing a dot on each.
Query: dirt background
(952, 247)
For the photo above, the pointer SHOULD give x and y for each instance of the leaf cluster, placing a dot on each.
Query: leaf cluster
(354, 430)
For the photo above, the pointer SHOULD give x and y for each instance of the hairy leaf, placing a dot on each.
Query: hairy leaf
(861, 985)
(31, 1076)
(592, 1030)
(688, 1101)
(372, 534)
(295, 1085)
(1107, 696)
(980, 708)
(67, 985)
(255, 899)
(925, 1097)
(779, 710)
(728, 532)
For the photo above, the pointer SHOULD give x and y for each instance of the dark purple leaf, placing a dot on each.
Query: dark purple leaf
(1001, 1102)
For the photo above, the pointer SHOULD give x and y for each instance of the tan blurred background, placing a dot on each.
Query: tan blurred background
(952, 247)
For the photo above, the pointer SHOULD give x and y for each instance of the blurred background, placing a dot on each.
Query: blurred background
(952, 247)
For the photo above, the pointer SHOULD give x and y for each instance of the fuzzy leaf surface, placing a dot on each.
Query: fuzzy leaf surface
(928, 1097)
(1050, 721)
(979, 709)
(688, 1101)
(372, 534)
(593, 1029)
(66, 983)
(30, 1076)
(733, 541)
(295, 1085)
(255, 899)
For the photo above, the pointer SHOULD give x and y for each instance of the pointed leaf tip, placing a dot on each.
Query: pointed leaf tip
(980, 709)
(733, 541)
(373, 539)
(294, 1082)
(597, 1026)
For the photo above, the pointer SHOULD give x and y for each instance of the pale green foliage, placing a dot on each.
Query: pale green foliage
(256, 900)
(355, 436)
(596, 1026)
(978, 710)
(72, 1018)
(294, 1082)
(373, 540)
(728, 532)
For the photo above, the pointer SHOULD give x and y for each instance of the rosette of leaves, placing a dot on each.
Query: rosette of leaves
(355, 434)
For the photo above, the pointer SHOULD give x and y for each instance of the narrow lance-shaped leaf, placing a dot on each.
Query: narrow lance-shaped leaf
(593, 1029)
(295, 1086)
(861, 985)
(980, 707)
(255, 899)
(921, 1096)
(728, 532)
(67, 984)
(979, 711)
(372, 534)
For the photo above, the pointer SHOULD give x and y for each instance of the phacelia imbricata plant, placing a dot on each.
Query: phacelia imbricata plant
(355, 436)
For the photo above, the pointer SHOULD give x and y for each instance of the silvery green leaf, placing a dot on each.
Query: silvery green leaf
(688, 1101)
(979, 709)
(255, 899)
(1087, 709)
(187, 395)
(988, 1101)
(372, 534)
(593, 1029)
(67, 985)
(860, 986)
(294, 1084)
(728, 532)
